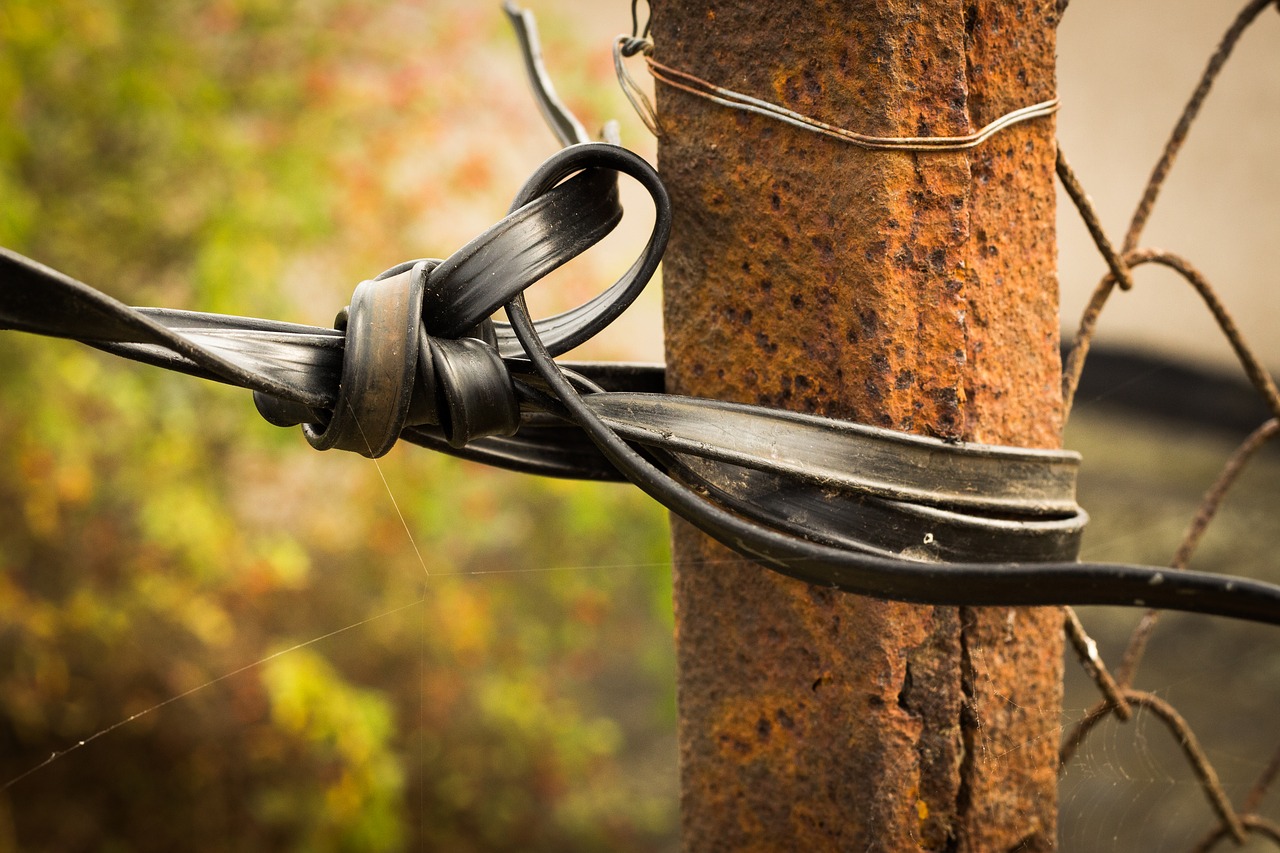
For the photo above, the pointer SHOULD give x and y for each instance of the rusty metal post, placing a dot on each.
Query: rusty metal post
(912, 291)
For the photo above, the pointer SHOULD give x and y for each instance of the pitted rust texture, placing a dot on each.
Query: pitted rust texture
(910, 291)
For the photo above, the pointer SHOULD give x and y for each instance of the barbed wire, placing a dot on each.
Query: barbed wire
(1119, 698)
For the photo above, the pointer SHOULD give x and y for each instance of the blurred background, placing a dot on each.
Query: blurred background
(508, 682)
(316, 652)
(1163, 401)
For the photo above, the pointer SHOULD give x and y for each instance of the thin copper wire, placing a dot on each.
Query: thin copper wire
(1187, 742)
(686, 82)
(1077, 734)
(1136, 648)
(1189, 113)
(1213, 497)
(1258, 375)
(1084, 204)
(1259, 790)
(1207, 511)
(1088, 323)
(1252, 823)
(1249, 360)
(1087, 651)
(625, 46)
(1196, 756)
(1190, 744)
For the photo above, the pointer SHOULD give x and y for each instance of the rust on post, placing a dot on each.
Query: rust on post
(911, 291)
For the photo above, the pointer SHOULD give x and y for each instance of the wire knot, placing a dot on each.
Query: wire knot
(632, 45)
(395, 375)
(420, 349)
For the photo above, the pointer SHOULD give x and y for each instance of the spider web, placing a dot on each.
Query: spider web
(1129, 786)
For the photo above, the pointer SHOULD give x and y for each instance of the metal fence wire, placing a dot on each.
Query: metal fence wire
(1237, 821)
(1119, 697)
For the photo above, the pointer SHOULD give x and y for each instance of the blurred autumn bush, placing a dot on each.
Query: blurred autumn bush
(507, 681)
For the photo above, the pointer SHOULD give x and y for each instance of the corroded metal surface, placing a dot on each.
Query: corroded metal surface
(912, 291)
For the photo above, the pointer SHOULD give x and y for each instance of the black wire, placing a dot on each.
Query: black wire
(635, 22)
(1012, 584)
(851, 571)
(37, 299)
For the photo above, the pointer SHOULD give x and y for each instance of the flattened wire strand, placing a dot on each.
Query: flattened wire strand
(563, 123)
(1119, 698)
(628, 46)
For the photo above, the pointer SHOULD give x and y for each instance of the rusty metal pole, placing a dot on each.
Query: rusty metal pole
(911, 291)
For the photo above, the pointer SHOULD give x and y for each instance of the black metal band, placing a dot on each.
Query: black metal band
(843, 505)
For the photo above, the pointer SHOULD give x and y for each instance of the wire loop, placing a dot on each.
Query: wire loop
(832, 503)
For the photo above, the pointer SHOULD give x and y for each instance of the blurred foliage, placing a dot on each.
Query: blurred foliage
(457, 658)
